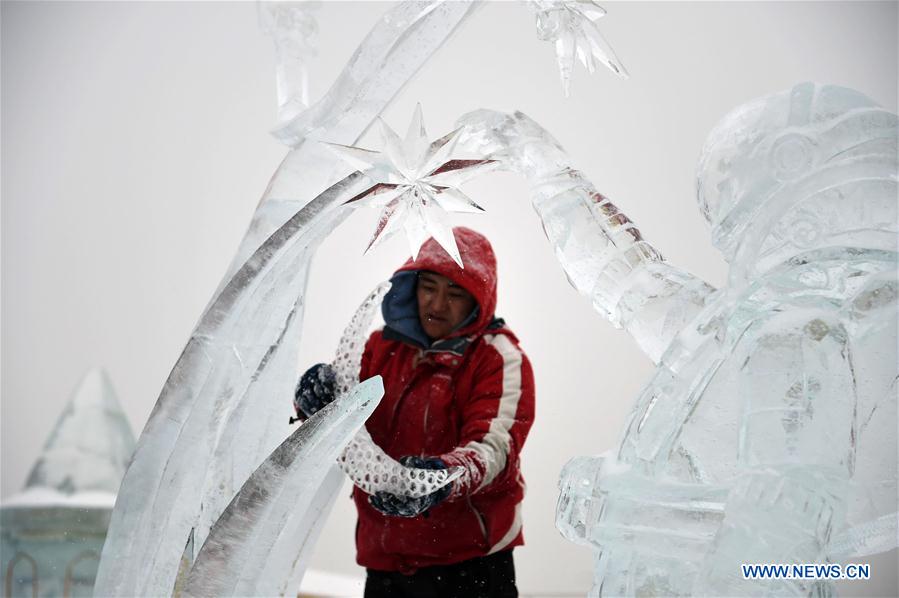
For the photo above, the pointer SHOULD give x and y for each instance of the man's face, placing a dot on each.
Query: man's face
(442, 305)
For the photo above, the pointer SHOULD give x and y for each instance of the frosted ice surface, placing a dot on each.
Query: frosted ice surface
(571, 26)
(415, 184)
(768, 431)
(260, 522)
(90, 445)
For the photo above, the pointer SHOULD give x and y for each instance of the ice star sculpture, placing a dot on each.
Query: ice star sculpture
(416, 184)
(571, 25)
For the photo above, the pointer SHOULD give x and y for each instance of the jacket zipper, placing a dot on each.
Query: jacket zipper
(416, 374)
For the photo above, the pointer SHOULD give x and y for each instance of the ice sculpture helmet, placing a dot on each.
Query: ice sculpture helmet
(770, 154)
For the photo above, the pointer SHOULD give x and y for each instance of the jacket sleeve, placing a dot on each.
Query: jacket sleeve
(496, 418)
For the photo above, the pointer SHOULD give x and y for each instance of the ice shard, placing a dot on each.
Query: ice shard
(261, 522)
(571, 26)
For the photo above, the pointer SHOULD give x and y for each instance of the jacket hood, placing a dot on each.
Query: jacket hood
(478, 277)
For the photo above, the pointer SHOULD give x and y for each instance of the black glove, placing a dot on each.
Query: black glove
(314, 390)
(405, 506)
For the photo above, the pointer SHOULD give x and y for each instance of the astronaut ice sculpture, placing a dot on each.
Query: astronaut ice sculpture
(767, 433)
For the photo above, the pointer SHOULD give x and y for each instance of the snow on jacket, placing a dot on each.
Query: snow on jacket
(468, 399)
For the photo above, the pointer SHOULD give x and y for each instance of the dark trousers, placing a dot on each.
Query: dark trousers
(491, 576)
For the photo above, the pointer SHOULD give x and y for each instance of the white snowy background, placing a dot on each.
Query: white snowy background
(135, 148)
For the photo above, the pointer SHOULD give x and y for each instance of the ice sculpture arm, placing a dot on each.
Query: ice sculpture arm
(495, 420)
(601, 250)
(796, 452)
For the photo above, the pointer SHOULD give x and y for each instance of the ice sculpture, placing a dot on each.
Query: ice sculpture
(394, 50)
(571, 26)
(215, 422)
(602, 252)
(272, 524)
(259, 534)
(91, 443)
(196, 426)
(768, 431)
(52, 532)
(215, 414)
(416, 183)
(293, 28)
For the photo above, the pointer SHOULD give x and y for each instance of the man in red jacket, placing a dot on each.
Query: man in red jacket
(458, 392)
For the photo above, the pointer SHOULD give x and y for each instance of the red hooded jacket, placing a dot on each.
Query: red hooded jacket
(468, 399)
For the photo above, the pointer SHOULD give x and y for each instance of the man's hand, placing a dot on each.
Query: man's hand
(314, 390)
(406, 506)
